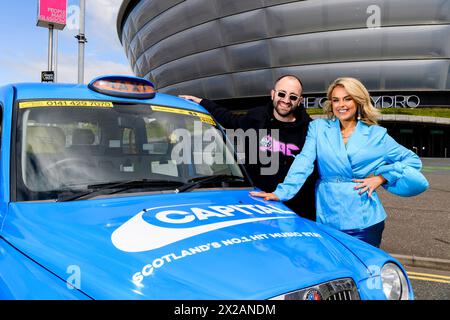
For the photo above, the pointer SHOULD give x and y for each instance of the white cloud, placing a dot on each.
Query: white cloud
(29, 70)
(104, 11)
(68, 69)
(101, 20)
(103, 51)
(19, 68)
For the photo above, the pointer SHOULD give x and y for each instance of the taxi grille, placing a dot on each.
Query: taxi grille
(337, 290)
(343, 295)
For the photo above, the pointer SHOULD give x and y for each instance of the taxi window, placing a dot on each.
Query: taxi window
(65, 147)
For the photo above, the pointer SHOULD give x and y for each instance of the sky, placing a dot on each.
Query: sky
(24, 46)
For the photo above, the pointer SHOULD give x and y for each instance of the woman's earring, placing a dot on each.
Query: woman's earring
(333, 118)
(359, 114)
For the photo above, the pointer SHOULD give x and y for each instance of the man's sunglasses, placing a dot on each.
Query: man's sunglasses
(282, 95)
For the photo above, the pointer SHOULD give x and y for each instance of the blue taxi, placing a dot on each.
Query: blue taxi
(115, 191)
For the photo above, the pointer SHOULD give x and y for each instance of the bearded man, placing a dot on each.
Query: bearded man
(281, 127)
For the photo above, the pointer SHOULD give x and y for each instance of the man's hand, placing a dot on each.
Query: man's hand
(369, 184)
(265, 195)
(192, 98)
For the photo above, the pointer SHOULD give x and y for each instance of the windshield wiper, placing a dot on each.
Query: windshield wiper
(198, 181)
(94, 190)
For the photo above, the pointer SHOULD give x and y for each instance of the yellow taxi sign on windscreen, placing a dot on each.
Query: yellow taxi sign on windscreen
(64, 103)
(202, 116)
(123, 86)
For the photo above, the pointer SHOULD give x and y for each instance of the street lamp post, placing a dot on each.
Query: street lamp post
(51, 15)
(81, 41)
(50, 48)
(55, 57)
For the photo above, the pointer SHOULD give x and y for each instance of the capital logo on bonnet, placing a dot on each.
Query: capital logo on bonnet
(157, 227)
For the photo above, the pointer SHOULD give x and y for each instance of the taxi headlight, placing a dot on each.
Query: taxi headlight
(395, 286)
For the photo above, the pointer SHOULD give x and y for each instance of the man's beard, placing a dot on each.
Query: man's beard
(285, 114)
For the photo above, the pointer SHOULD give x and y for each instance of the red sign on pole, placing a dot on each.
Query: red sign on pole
(52, 13)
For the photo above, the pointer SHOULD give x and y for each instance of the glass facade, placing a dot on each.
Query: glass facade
(234, 50)
(426, 140)
(223, 49)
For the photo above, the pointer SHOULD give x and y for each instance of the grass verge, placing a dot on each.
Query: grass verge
(422, 112)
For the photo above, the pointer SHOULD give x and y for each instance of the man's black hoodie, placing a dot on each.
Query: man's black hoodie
(290, 141)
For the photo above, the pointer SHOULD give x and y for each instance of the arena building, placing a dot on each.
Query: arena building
(233, 50)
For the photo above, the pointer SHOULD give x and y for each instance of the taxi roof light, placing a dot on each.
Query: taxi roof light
(123, 86)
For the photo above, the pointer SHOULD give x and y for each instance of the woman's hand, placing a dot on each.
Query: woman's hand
(192, 98)
(265, 195)
(369, 184)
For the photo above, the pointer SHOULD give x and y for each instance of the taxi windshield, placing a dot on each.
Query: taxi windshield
(64, 148)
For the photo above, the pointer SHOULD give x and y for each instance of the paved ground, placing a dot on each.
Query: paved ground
(429, 284)
(420, 226)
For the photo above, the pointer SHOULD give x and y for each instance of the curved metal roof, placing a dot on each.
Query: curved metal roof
(226, 49)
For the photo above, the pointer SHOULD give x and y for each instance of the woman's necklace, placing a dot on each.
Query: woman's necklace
(345, 136)
(348, 133)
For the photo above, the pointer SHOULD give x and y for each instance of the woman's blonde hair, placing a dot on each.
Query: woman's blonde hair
(365, 109)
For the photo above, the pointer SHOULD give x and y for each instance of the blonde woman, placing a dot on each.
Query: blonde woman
(354, 156)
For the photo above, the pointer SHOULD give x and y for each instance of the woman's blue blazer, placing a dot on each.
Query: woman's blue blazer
(369, 150)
